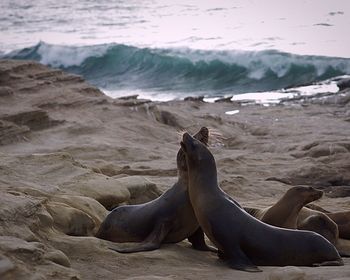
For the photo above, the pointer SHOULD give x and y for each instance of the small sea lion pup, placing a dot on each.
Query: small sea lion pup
(342, 219)
(243, 241)
(284, 213)
(167, 219)
(289, 212)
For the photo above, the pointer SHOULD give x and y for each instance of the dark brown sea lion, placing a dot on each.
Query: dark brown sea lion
(167, 219)
(242, 240)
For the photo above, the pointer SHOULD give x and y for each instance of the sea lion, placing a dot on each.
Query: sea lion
(167, 219)
(341, 218)
(242, 240)
(320, 223)
(284, 213)
(289, 212)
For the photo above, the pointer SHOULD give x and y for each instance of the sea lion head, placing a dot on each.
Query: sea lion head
(203, 136)
(306, 194)
(196, 152)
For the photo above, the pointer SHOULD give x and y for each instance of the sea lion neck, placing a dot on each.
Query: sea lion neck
(203, 178)
(182, 166)
(290, 206)
(201, 165)
(182, 178)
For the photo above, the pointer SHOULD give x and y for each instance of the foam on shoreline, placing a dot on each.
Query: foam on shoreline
(264, 98)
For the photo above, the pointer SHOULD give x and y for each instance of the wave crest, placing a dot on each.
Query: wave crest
(117, 66)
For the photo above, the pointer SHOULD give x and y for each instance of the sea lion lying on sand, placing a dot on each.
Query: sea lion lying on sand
(242, 240)
(167, 219)
(284, 213)
(289, 212)
(342, 219)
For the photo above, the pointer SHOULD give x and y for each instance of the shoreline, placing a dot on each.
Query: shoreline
(313, 90)
(69, 154)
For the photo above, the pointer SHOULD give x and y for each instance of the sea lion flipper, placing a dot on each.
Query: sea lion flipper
(152, 242)
(198, 242)
(233, 255)
(139, 247)
(339, 262)
(241, 262)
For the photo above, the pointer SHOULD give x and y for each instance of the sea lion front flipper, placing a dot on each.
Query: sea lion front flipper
(152, 242)
(241, 262)
(222, 255)
(198, 242)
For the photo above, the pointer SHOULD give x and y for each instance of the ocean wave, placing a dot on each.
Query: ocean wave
(118, 66)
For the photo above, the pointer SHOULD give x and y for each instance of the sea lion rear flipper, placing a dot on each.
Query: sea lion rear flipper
(241, 262)
(152, 242)
(198, 242)
(339, 262)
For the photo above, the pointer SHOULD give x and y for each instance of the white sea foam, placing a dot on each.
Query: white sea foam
(233, 112)
(66, 56)
(265, 98)
(259, 62)
(273, 97)
(141, 94)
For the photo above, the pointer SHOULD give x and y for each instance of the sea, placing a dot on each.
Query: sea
(164, 50)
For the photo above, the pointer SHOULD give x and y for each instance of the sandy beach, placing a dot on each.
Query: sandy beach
(69, 154)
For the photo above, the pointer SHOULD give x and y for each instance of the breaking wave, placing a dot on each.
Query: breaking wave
(117, 66)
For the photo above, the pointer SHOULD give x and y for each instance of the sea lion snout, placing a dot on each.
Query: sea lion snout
(187, 140)
(308, 194)
(314, 194)
(186, 137)
(318, 194)
(202, 136)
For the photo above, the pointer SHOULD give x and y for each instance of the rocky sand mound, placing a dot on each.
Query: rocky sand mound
(69, 154)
